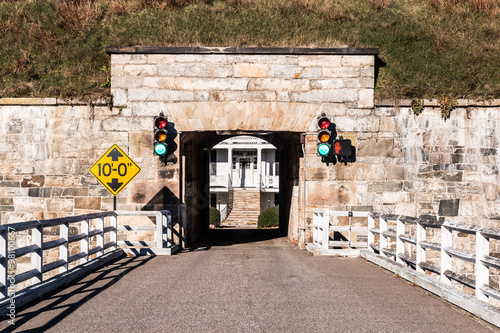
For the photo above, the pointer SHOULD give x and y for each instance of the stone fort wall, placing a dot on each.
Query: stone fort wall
(406, 164)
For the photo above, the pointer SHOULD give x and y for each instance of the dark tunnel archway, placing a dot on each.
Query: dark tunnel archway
(195, 147)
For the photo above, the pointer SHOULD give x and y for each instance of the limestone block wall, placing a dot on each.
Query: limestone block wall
(406, 164)
(223, 90)
(414, 165)
(47, 147)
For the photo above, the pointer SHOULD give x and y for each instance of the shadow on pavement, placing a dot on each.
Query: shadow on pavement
(234, 236)
(66, 300)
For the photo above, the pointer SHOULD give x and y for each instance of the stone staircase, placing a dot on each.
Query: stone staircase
(246, 208)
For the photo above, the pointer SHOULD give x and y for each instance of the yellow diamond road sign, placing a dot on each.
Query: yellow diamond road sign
(115, 169)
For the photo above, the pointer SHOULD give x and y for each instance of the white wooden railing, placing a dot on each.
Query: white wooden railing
(10, 253)
(324, 226)
(219, 180)
(270, 181)
(400, 245)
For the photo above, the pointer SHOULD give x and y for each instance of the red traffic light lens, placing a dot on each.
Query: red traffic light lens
(324, 123)
(161, 122)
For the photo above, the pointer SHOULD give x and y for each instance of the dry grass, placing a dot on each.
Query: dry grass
(429, 48)
(465, 7)
(77, 15)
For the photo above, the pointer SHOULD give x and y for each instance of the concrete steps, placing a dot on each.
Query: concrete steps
(246, 208)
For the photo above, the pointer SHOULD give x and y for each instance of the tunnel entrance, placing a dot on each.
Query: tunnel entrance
(197, 149)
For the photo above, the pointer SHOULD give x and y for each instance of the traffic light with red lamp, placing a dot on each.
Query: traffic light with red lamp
(326, 133)
(160, 135)
(331, 149)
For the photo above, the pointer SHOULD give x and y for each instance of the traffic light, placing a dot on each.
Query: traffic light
(160, 135)
(326, 134)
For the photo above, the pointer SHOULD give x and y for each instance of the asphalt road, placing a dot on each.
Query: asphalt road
(239, 283)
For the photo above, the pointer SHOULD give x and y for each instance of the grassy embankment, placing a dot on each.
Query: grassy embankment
(431, 48)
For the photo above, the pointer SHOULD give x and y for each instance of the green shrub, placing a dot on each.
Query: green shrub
(269, 218)
(214, 217)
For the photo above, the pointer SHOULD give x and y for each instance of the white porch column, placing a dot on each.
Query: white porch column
(229, 164)
(259, 167)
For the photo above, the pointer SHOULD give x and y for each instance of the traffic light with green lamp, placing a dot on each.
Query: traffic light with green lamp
(160, 135)
(326, 134)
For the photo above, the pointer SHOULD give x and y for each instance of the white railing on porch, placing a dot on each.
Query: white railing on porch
(270, 181)
(399, 245)
(10, 253)
(219, 180)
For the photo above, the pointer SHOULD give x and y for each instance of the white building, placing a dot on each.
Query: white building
(244, 179)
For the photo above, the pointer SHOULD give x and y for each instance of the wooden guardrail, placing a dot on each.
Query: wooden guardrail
(480, 257)
(10, 253)
(323, 227)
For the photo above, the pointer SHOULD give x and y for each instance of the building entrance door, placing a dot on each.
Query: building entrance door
(243, 175)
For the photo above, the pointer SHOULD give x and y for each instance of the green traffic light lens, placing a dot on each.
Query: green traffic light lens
(160, 149)
(323, 149)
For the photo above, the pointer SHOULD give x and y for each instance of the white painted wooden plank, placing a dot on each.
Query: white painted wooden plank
(430, 245)
(4, 236)
(383, 239)
(482, 271)
(490, 291)
(371, 235)
(446, 242)
(113, 222)
(159, 230)
(37, 256)
(100, 236)
(463, 255)
(169, 234)
(63, 248)
(466, 228)
(420, 251)
(400, 230)
(84, 242)
(491, 261)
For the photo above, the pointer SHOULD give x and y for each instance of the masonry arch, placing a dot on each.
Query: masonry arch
(212, 93)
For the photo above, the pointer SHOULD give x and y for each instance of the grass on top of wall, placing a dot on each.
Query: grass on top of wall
(429, 48)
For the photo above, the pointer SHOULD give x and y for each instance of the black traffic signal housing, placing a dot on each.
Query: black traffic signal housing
(325, 137)
(344, 150)
(160, 134)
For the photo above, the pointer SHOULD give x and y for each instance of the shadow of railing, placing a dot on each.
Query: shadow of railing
(71, 297)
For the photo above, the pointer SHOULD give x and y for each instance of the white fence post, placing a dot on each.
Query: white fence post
(383, 239)
(113, 222)
(315, 228)
(159, 230)
(100, 236)
(168, 224)
(4, 245)
(420, 251)
(400, 246)
(63, 248)
(446, 241)
(482, 271)
(37, 256)
(84, 243)
(325, 235)
(371, 235)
